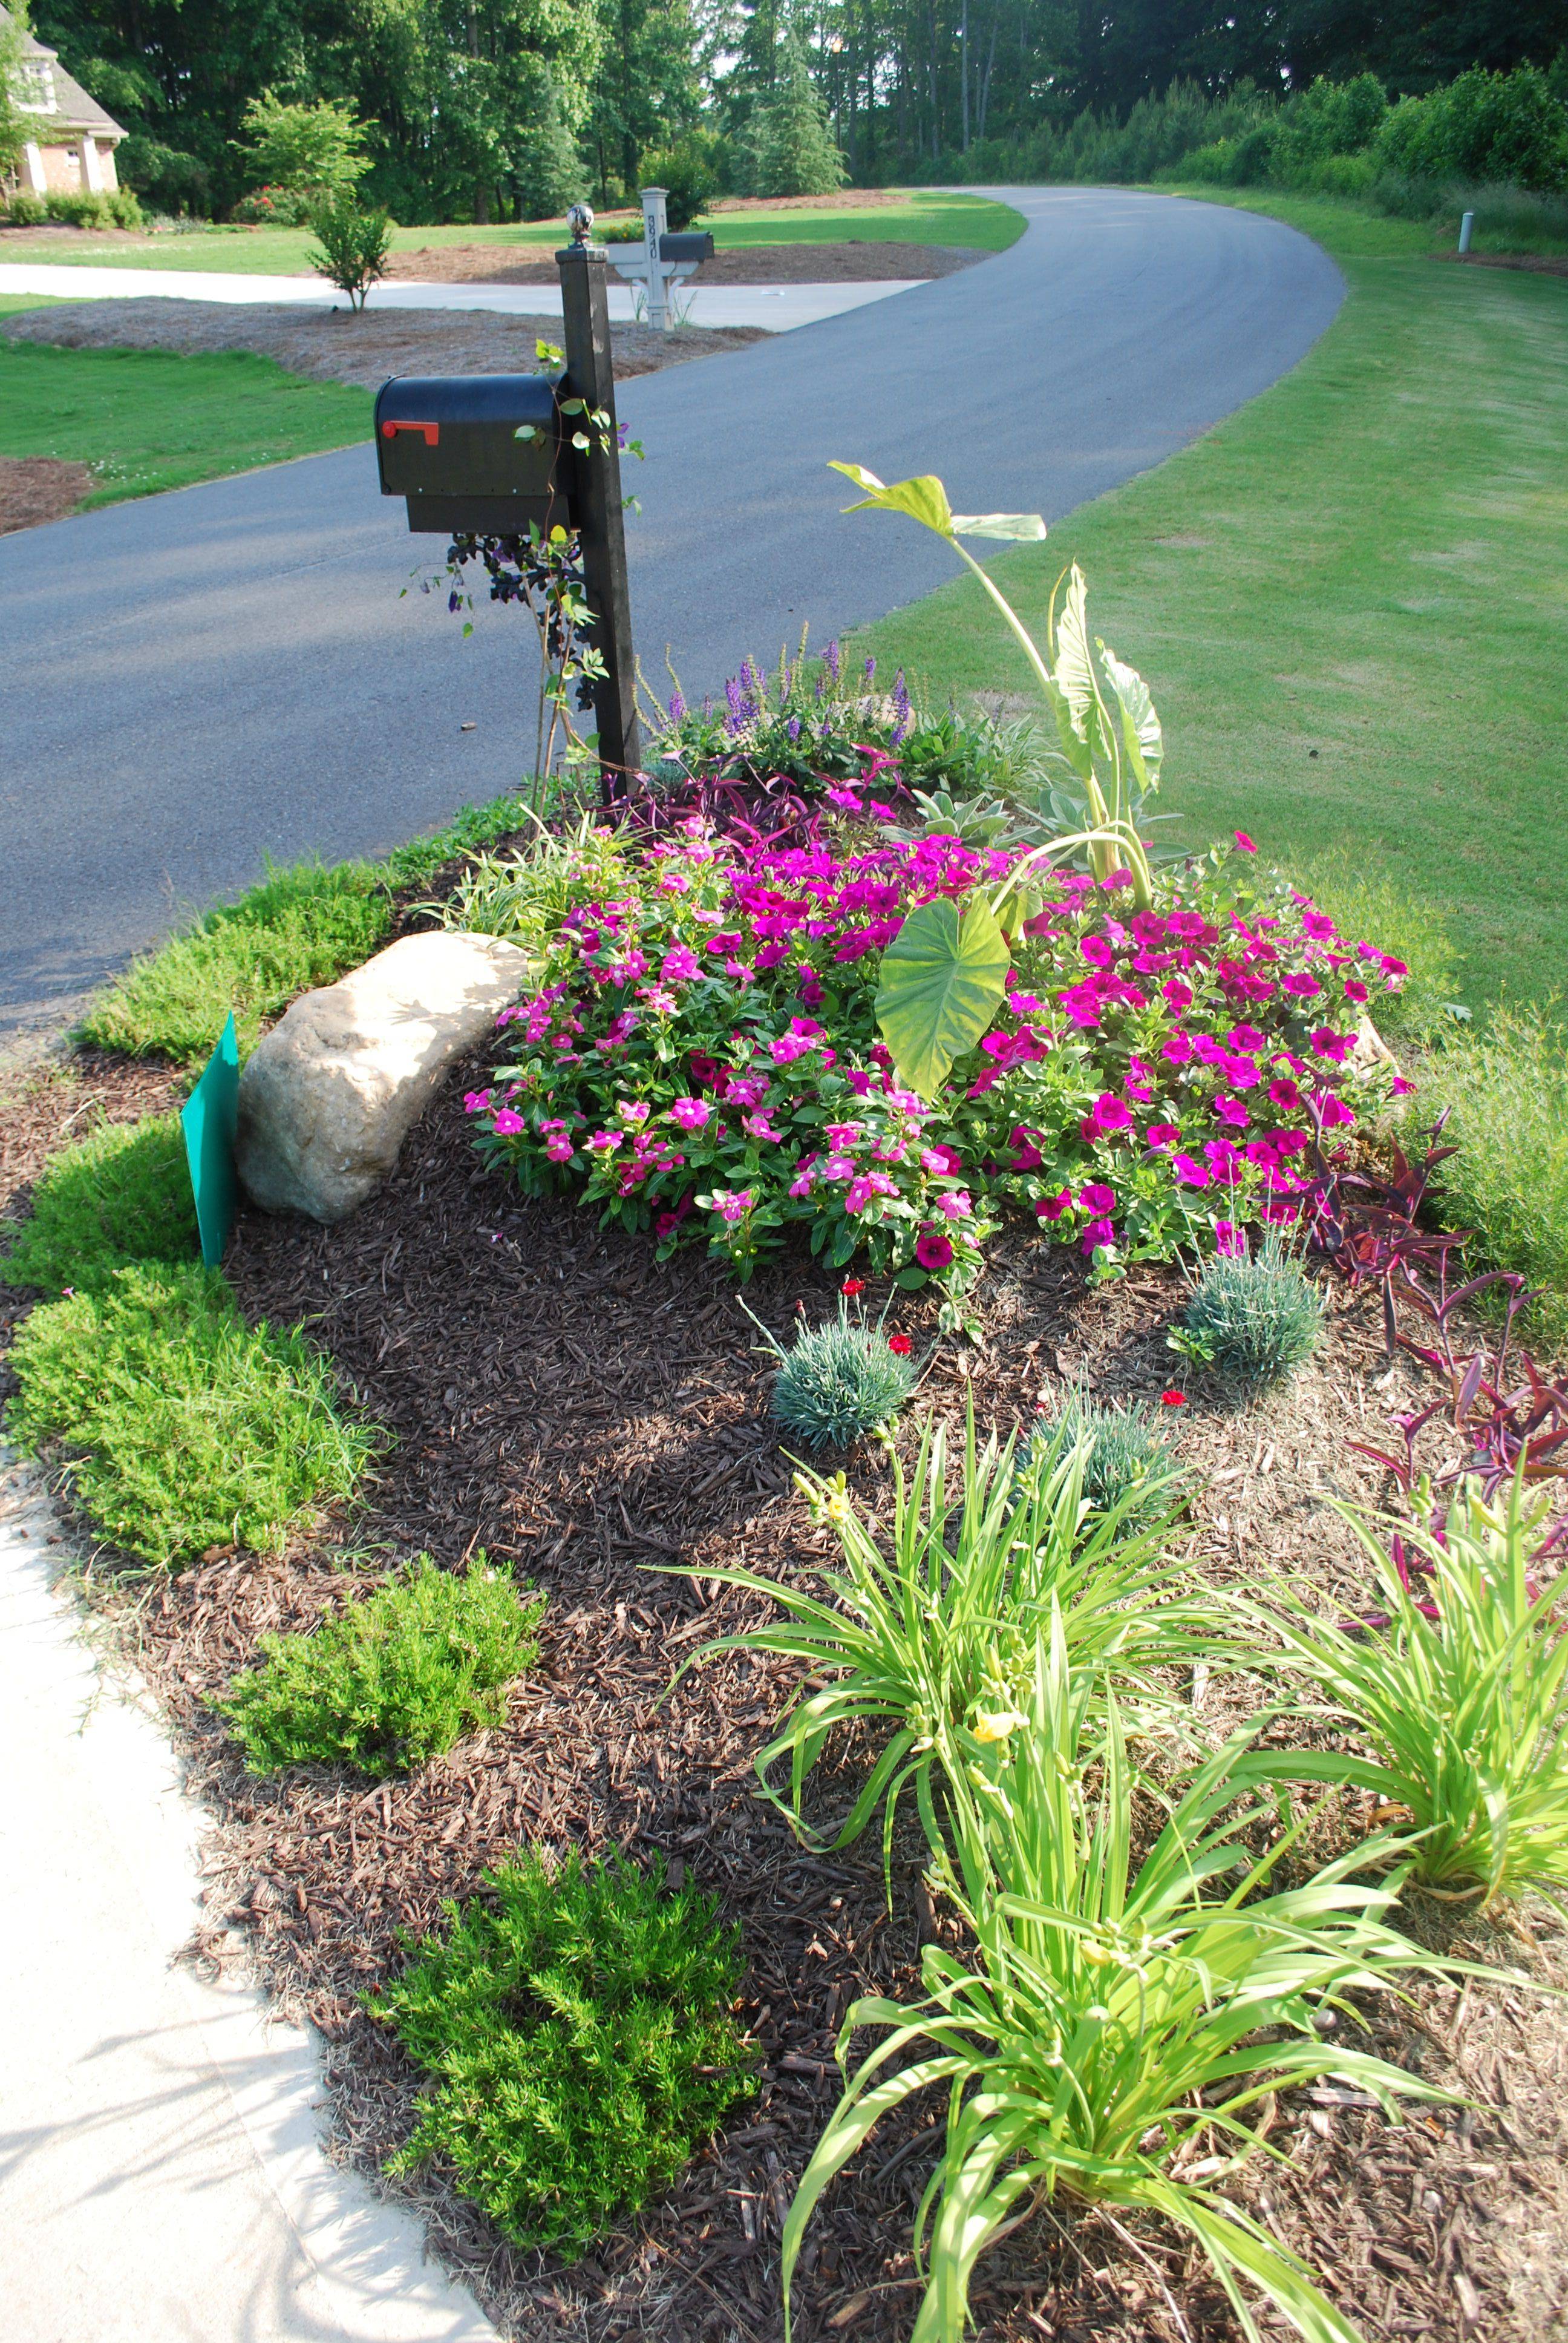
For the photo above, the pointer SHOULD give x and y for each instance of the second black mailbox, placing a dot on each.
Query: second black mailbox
(450, 445)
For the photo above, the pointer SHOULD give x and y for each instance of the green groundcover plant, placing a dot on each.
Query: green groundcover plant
(576, 2026)
(301, 927)
(1116, 2025)
(123, 1195)
(1506, 1088)
(185, 1427)
(393, 1678)
(1458, 1684)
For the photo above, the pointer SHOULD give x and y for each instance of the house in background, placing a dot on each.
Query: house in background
(72, 149)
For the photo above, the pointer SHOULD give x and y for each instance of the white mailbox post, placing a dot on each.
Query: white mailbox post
(662, 259)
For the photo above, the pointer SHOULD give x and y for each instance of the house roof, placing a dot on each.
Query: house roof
(59, 106)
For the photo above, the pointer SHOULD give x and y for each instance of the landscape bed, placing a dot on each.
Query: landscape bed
(591, 1420)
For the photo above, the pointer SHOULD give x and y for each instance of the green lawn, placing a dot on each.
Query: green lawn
(928, 218)
(1351, 600)
(144, 419)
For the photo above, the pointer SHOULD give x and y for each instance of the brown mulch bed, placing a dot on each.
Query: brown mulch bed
(586, 1419)
(333, 346)
(1535, 264)
(854, 262)
(35, 488)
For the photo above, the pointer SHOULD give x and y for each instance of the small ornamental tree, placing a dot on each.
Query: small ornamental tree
(306, 149)
(793, 149)
(351, 245)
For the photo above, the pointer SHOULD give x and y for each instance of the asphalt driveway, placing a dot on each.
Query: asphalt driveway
(195, 681)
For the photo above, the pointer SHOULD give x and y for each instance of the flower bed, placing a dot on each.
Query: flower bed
(704, 1059)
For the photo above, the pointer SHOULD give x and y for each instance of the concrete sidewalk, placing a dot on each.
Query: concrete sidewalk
(161, 2178)
(775, 308)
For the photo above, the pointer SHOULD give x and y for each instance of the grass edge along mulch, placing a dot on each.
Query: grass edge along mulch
(592, 1754)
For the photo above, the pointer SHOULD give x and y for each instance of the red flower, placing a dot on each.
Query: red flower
(900, 1345)
(853, 1285)
(1172, 1399)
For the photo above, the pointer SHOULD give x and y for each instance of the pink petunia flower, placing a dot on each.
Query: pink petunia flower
(932, 1250)
(1163, 1134)
(1245, 843)
(1097, 1197)
(1189, 1173)
(1051, 1208)
(1097, 1233)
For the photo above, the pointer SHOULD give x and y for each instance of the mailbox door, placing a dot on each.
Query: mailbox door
(451, 441)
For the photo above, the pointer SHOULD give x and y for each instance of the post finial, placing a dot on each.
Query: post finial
(579, 219)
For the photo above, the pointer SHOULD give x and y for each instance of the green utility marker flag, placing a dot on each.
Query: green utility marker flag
(210, 1117)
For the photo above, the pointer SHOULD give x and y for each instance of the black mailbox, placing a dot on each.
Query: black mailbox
(697, 246)
(479, 454)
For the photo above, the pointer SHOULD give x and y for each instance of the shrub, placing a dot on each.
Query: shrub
(26, 210)
(1506, 1088)
(1254, 1317)
(300, 928)
(122, 1195)
(688, 172)
(277, 207)
(351, 244)
(393, 1679)
(1107, 2020)
(1127, 1456)
(86, 211)
(579, 2032)
(1460, 1684)
(837, 1382)
(1483, 126)
(188, 1428)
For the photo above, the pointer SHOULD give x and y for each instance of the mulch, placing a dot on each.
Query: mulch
(588, 1420)
(853, 262)
(1534, 264)
(363, 349)
(35, 488)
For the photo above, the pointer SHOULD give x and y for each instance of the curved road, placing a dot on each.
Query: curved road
(197, 680)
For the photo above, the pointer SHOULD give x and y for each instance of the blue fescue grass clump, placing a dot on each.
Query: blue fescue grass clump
(838, 1382)
(123, 1195)
(1128, 1463)
(1254, 1317)
(393, 1678)
(576, 2026)
(184, 1427)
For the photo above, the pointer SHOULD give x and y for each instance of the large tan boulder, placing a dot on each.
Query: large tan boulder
(333, 1090)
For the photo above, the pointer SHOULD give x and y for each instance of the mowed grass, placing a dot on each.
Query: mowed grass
(147, 419)
(1350, 601)
(927, 217)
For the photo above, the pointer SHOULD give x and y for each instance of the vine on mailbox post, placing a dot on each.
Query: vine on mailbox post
(542, 570)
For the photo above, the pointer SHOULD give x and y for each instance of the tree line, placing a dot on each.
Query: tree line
(501, 108)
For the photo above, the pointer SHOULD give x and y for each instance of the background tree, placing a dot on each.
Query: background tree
(303, 148)
(790, 147)
(12, 134)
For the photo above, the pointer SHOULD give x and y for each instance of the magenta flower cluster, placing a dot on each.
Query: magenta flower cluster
(704, 1059)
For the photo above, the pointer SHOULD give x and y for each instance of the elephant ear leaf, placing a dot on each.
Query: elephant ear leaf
(1016, 528)
(1141, 737)
(943, 978)
(923, 500)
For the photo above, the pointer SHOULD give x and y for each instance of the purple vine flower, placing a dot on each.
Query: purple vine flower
(677, 709)
(830, 658)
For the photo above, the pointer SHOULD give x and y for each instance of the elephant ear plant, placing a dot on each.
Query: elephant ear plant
(944, 975)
